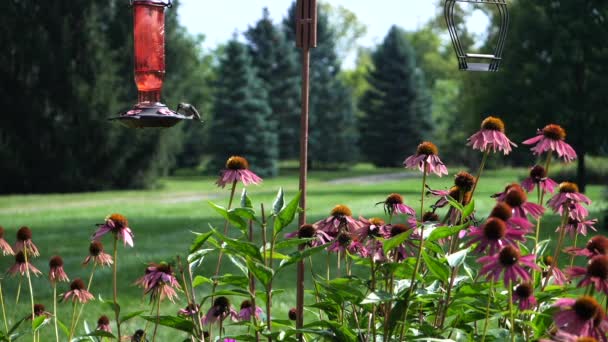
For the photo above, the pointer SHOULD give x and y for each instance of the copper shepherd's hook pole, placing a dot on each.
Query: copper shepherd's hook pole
(306, 38)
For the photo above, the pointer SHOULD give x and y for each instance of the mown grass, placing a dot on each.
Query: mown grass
(162, 220)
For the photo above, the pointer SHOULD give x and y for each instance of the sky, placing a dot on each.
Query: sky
(219, 19)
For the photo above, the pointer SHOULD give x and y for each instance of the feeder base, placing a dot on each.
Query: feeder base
(144, 115)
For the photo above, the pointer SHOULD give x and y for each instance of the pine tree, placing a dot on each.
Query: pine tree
(396, 106)
(333, 125)
(242, 122)
(276, 65)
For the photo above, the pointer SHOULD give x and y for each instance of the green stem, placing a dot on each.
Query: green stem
(572, 256)
(18, 290)
(157, 316)
(88, 289)
(54, 311)
(479, 171)
(511, 312)
(114, 286)
(3, 309)
(485, 323)
(419, 257)
(562, 232)
(72, 324)
(541, 197)
(220, 256)
(29, 280)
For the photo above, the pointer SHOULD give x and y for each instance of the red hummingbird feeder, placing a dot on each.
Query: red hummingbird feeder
(149, 46)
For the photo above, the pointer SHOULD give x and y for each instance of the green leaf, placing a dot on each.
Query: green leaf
(245, 200)
(200, 280)
(286, 215)
(454, 203)
(263, 273)
(199, 241)
(174, 322)
(39, 322)
(114, 307)
(245, 213)
(468, 210)
(377, 297)
(240, 248)
(63, 327)
(437, 268)
(101, 333)
(237, 262)
(287, 243)
(234, 219)
(456, 259)
(299, 255)
(390, 244)
(16, 325)
(131, 315)
(444, 232)
(279, 201)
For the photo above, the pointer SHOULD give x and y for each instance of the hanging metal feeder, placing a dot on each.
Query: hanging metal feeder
(476, 61)
(149, 46)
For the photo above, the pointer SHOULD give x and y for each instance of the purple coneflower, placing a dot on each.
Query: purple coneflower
(21, 266)
(551, 138)
(78, 292)
(56, 272)
(504, 212)
(394, 204)
(569, 198)
(455, 192)
(491, 136)
(189, 311)
(508, 260)
(559, 278)
(524, 295)
(345, 242)
(406, 248)
(237, 169)
(426, 154)
(494, 234)
(583, 316)
(159, 281)
(578, 227)
(517, 199)
(97, 255)
(292, 314)
(371, 228)
(340, 219)
(39, 310)
(25, 243)
(220, 310)
(247, 311)
(4, 246)
(562, 336)
(103, 324)
(119, 226)
(538, 176)
(596, 273)
(597, 245)
(308, 231)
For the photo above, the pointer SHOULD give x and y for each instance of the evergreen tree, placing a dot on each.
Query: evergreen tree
(242, 122)
(333, 124)
(276, 65)
(396, 106)
(60, 94)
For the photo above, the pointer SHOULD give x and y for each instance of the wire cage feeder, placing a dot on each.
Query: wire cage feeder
(477, 61)
(149, 67)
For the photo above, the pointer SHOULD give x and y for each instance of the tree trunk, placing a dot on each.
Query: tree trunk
(581, 171)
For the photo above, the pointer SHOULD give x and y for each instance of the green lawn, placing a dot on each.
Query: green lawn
(162, 219)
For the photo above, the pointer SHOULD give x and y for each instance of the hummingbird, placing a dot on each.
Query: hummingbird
(188, 110)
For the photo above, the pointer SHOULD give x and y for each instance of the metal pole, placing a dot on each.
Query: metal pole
(306, 37)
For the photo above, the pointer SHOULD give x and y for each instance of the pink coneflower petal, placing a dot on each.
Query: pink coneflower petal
(237, 170)
(551, 138)
(159, 281)
(78, 292)
(491, 137)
